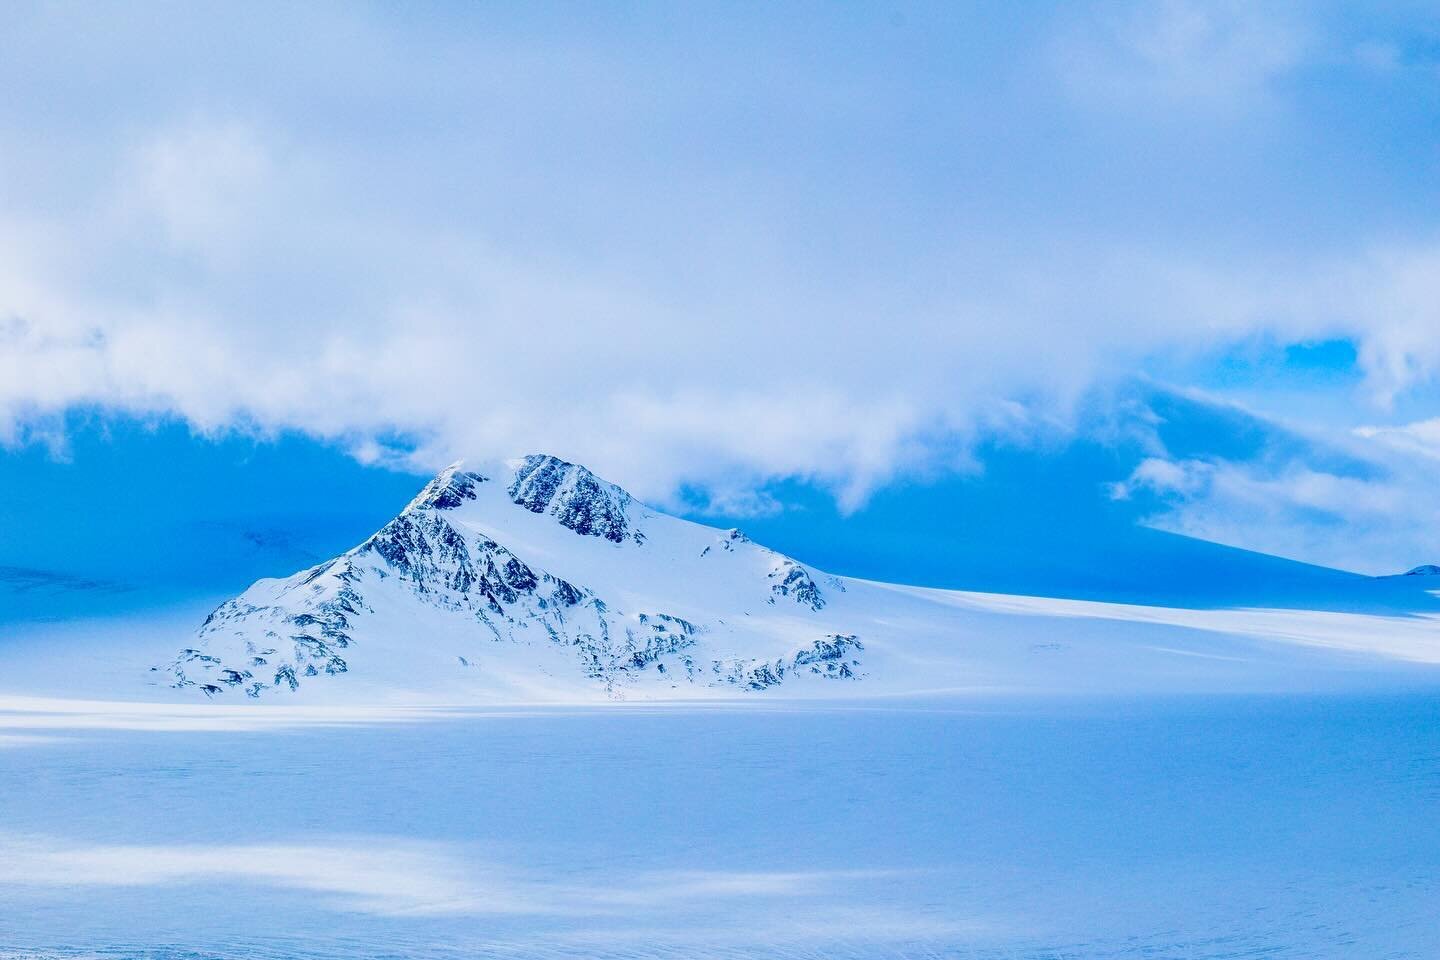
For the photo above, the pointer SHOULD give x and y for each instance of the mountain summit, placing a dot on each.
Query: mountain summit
(530, 574)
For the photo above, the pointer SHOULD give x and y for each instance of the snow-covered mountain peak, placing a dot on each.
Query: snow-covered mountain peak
(533, 571)
(451, 488)
(543, 484)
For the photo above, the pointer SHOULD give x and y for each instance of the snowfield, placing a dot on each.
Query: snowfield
(1295, 827)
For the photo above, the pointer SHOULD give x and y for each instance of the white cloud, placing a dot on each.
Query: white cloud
(200, 183)
(526, 241)
(1421, 438)
(1398, 302)
(485, 357)
(1164, 477)
(1374, 514)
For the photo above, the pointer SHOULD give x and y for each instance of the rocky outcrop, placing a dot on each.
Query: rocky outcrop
(791, 580)
(833, 658)
(575, 497)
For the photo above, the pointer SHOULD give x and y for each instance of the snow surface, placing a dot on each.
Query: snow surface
(1204, 828)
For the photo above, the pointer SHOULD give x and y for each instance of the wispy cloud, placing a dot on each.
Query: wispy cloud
(1421, 438)
(1359, 502)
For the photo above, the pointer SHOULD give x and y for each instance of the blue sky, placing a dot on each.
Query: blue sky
(799, 266)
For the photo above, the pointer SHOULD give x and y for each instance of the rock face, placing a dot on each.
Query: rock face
(1425, 570)
(528, 571)
(794, 581)
(573, 496)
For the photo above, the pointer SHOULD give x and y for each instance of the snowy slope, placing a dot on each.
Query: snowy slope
(536, 580)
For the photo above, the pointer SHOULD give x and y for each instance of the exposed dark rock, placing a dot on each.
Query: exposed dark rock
(575, 497)
(448, 490)
(794, 581)
(829, 657)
